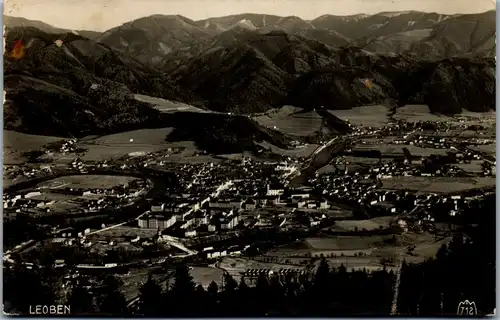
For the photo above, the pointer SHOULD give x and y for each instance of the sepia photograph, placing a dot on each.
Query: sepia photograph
(249, 158)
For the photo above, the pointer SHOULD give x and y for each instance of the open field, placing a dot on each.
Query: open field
(397, 149)
(86, 182)
(426, 246)
(188, 157)
(302, 152)
(167, 105)
(370, 224)
(366, 116)
(364, 161)
(15, 144)
(329, 246)
(49, 196)
(133, 281)
(415, 113)
(291, 121)
(487, 148)
(334, 212)
(117, 145)
(205, 275)
(437, 184)
(357, 253)
(123, 231)
(473, 167)
(343, 243)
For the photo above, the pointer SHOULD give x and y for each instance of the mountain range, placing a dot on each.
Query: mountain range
(244, 64)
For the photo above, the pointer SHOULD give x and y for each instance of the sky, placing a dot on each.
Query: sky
(101, 15)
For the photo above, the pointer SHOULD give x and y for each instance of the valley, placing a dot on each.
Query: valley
(250, 151)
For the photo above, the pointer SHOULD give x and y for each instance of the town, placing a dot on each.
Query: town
(142, 212)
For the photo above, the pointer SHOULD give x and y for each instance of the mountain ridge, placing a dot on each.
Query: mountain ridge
(87, 86)
(152, 38)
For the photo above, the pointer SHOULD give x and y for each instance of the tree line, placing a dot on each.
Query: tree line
(464, 269)
(329, 291)
(426, 289)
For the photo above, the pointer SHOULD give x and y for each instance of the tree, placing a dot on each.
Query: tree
(182, 292)
(112, 301)
(321, 277)
(183, 281)
(230, 284)
(442, 252)
(150, 298)
(212, 297)
(321, 284)
(202, 301)
(80, 300)
(262, 294)
(19, 301)
(242, 286)
(213, 288)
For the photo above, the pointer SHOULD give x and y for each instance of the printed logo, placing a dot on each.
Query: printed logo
(467, 308)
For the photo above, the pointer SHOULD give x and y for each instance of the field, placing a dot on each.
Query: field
(396, 149)
(343, 243)
(291, 121)
(437, 184)
(123, 231)
(487, 148)
(333, 212)
(205, 275)
(357, 253)
(414, 113)
(473, 167)
(364, 161)
(371, 224)
(134, 280)
(127, 143)
(86, 182)
(366, 116)
(15, 144)
(302, 152)
(188, 157)
(166, 105)
(58, 203)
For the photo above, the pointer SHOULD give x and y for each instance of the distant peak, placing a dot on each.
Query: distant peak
(246, 24)
(291, 18)
(390, 14)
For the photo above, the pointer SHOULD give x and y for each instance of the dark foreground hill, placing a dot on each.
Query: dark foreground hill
(86, 88)
(221, 133)
(82, 87)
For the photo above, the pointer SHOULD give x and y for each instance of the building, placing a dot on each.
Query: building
(149, 221)
(275, 189)
(226, 204)
(158, 208)
(190, 233)
(250, 204)
(230, 222)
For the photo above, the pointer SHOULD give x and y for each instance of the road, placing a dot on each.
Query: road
(176, 243)
(320, 158)
(326, 145)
